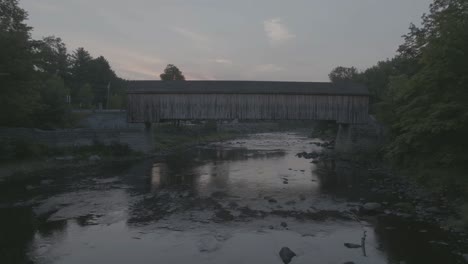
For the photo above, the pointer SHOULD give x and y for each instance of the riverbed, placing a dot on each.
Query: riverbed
(239, 201)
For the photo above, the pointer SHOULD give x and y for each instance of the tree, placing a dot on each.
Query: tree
(54, 108)
(101, 76)
(52, 57)
(18, 98)
(116, 101)
(432, 110)
(172, 73)
(16, 60)
(343, 74)
(85, 96)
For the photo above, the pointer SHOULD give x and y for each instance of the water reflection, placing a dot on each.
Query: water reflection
(210, 165)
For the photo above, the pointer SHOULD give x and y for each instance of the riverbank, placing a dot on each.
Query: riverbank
(24, 156)
(376, 192)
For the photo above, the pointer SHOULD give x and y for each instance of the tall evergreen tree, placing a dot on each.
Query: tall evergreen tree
(18, 99)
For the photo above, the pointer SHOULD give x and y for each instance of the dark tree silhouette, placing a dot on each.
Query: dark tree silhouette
(343, 74)
(172, 73)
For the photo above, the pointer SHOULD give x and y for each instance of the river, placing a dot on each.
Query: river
(238, 201)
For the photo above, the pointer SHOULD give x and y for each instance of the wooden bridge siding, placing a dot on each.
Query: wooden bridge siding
(153, 107)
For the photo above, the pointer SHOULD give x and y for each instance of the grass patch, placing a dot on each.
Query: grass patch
(24, 149)
(168, 136)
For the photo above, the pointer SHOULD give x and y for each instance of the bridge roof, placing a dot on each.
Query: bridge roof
(245, 87)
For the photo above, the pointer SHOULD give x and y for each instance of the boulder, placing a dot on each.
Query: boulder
(286, 255)
(94, 158)
(371, 207)
(351, 245)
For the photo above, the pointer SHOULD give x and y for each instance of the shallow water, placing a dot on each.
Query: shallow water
(233, 202)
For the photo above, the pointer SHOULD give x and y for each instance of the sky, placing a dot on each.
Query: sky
(271, 40)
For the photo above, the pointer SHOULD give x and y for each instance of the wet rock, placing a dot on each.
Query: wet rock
(285, 182)
(218, 195)
(441, 243)
(208, 244)
(433, 210)
(65, 158)
(94, 158)
(371, 207)
(224, 215)
(272, 200)
(349, 262)
(184, 195)
(292, 202)
(302, 197)
(405, 207)
(351, 245)
(305, 155)
(284, 224)
(46, 182)
(286, 255)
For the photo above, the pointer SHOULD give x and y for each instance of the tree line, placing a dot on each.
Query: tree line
(421, 94)
(40, 81)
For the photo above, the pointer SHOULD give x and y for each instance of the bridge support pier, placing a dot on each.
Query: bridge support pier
(359, 138)
(148, 137)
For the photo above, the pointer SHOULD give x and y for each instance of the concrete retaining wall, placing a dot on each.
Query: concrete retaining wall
(106, 119)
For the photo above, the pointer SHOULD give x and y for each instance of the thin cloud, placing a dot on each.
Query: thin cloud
(276, 31)
(131, 64)
(223, 61)
(268, 68)
(196, 76)
(190, 34)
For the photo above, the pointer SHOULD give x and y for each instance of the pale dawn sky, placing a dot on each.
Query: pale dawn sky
(278, 40)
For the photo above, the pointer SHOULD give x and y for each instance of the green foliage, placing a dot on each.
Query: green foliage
(37, 77)
(172, 73)
(27, 149)
(432, 109)
(18, 99)
(343, 74)
(54, 110)
(20, 149)
(52, 57)
(168, 137)
(85, 96)
(422, 96)
(117, 101)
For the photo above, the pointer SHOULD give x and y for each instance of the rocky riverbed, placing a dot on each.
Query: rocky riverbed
(261, 199)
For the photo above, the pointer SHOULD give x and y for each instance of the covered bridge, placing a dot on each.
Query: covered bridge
(153, 101)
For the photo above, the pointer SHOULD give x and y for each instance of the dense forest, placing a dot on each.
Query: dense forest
(421, 95)
(41, 81)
